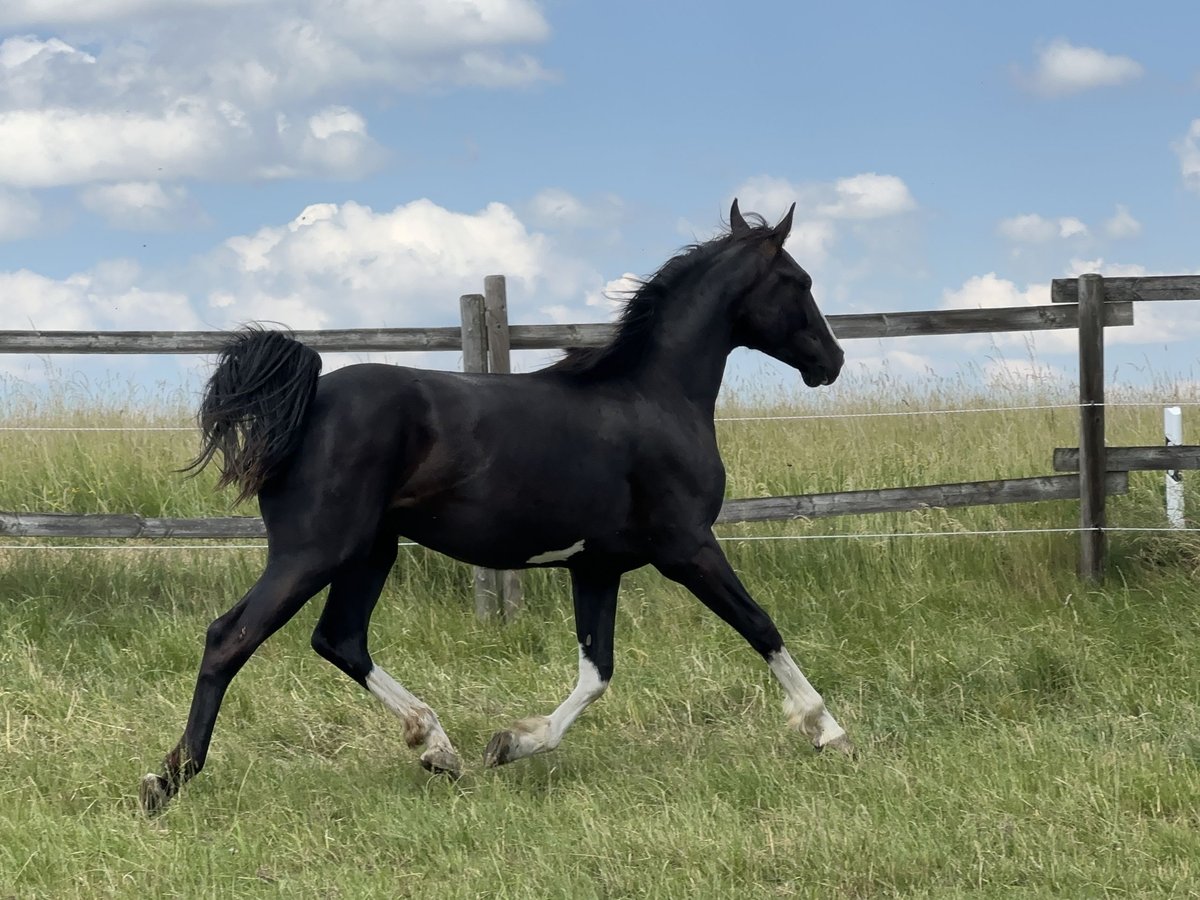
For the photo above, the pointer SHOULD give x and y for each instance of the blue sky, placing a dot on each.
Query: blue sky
(184, 164)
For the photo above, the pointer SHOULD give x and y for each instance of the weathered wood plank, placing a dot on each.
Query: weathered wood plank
(474, 333)
(550, 337)
(1092, 465)
(755, 509)
(966, 321)
(862, 326)
(67, 525)
(1134, 459)
(507, 584)
(1148, 287)
(487, 582)
(326, 341)
(971, 493)
(495, 303)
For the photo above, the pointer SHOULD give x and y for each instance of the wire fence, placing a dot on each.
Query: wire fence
(1111, 404)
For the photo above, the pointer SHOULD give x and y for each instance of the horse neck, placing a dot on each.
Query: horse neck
(688, 355)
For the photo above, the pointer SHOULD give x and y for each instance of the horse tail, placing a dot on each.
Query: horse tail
(254, 407)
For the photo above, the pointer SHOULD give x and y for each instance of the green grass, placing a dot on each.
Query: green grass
(1023, 734)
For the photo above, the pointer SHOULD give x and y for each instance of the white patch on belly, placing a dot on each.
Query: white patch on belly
(556, 555)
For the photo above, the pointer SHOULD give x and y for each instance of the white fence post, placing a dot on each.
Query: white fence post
(1173, 427)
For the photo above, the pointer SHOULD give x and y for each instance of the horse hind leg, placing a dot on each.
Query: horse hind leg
(341, 638)
(230, 641)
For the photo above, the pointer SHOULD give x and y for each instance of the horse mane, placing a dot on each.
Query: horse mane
(636, 321)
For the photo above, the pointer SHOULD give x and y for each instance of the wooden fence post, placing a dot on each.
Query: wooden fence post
(495, 303)
(475, 359)
(1092, 462)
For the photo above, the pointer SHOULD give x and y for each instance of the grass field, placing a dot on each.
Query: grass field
(1023, 735)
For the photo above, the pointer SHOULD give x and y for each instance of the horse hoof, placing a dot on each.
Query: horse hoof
(440, 761)
(842, 744)
(500, 749)
(153, 794)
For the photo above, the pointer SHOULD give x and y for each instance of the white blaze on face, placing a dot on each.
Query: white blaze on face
(557, 555)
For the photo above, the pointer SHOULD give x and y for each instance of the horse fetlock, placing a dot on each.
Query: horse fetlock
(419, 724)
(814, 722)
(525, 738)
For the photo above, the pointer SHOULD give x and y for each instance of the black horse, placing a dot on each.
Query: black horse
(602, 463)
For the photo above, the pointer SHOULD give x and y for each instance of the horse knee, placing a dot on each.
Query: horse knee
(220, 642)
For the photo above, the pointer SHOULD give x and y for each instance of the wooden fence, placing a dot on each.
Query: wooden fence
(1089, 304)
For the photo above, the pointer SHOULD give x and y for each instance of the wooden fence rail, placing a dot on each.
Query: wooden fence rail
(552, 337)
(1149, 287)
(754, 509)
(1134, 459)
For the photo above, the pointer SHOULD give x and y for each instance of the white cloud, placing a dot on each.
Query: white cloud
(20, 215)
(1188, 149)
(72, 12)
(1064, 68)
(559, 313)
(42, 148)
(991, 291)
(864, 196)
(811, 241)
(1098, 266)
(139, 205)
(1069, 227)
(337, 144)
(186, 89)
(347, 265)
(613, 295)
(868, 196)
(1122, 224)
(822, 206)
(1032, 228)
(50, 147)
(104, 297)
(770, 197)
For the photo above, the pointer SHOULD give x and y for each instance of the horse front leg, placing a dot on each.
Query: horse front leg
(707, 574)
(595, 597)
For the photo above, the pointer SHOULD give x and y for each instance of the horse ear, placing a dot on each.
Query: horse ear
(737, 224)
(781, 231)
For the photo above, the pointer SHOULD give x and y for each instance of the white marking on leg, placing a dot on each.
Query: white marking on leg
(804, 707)
(421, 725)
(556, 555)
(538, 733)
